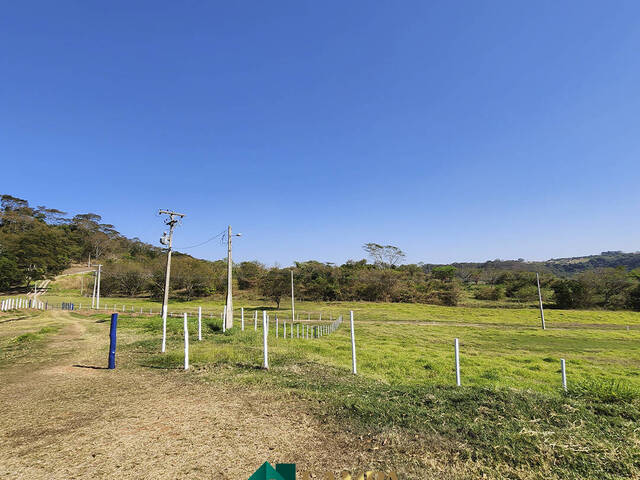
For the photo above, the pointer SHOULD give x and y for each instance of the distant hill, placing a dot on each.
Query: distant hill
(557, 266)
(568, 266)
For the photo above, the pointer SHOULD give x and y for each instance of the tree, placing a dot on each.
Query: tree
(41, 252)
(10, 274)
(445, 273)
(571, 293)
(633, 298)
(385, 256)
(248, 274)
(275, 284)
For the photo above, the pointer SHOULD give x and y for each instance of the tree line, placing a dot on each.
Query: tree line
(40, 242)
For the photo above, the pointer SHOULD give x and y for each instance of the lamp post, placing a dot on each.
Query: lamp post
(229, 306)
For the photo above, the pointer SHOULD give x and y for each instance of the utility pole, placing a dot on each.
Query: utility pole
(98, 288)
(167, 240)
(540, 299)
(95, 285)
(229, 306)
(293, 308)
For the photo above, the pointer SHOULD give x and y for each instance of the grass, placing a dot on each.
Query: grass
(510, 418)
(491, 314)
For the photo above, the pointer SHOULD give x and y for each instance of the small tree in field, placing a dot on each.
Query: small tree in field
(445, 273)
(275, 284)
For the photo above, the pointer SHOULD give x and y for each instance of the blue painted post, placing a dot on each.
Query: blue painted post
(112, 345)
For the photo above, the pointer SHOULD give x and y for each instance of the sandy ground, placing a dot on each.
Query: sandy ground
(63, 418)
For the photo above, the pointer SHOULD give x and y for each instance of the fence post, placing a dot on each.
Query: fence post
(186, 343)
(276, 326)
(199, 323)
(255, 320)
(563, 368)
(265, 356)
(540, 299)
(354, 369)
(457, 348)
(242, 317)
(112, 341)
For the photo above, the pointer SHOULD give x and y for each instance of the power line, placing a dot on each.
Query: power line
(219, 235)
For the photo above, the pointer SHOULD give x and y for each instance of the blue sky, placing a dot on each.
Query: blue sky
(454, 130)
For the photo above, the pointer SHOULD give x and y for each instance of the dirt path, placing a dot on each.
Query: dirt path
(59, 421)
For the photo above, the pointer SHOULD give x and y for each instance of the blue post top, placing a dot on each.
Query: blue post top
(114, 324)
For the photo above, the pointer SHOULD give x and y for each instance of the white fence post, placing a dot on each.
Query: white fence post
(255, 320)
(265, 329)
(242, 317)
(199, 323)
(563, 367)
(354, 369)
(457, 349)
(186, 344)
(276, 326)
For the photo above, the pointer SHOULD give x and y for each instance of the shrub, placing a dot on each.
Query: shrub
(572, 294)
(489, 293)
(633, 298)
(526, 293)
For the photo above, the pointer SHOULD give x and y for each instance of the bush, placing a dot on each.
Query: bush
(526, 293)
(489, 293)
(633, 298)
(572, 294)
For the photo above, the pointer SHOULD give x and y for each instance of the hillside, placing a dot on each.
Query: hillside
(38, 243)
(557, 266)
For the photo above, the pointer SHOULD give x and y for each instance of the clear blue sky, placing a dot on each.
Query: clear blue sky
(454, 130)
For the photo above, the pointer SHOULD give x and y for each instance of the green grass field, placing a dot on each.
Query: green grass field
(510, 416)
(503, 419)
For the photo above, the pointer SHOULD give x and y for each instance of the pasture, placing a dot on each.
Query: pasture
(509, 419)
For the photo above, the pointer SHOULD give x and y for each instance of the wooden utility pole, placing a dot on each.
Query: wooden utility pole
(540, 299)
(167, 240)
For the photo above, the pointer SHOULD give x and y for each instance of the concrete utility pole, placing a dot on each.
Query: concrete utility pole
(229, 306)
(540, 299)
(167, 240)
(95, 285)
(98, 287)
(293, 308)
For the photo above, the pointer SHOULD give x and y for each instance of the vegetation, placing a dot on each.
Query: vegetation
(510, 419)
(38, 243)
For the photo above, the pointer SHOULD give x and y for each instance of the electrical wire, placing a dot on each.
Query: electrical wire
(221, 234)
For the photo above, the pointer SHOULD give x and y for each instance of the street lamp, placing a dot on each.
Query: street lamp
(229, 306)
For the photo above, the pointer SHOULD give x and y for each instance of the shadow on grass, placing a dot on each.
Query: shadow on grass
(94, 367)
